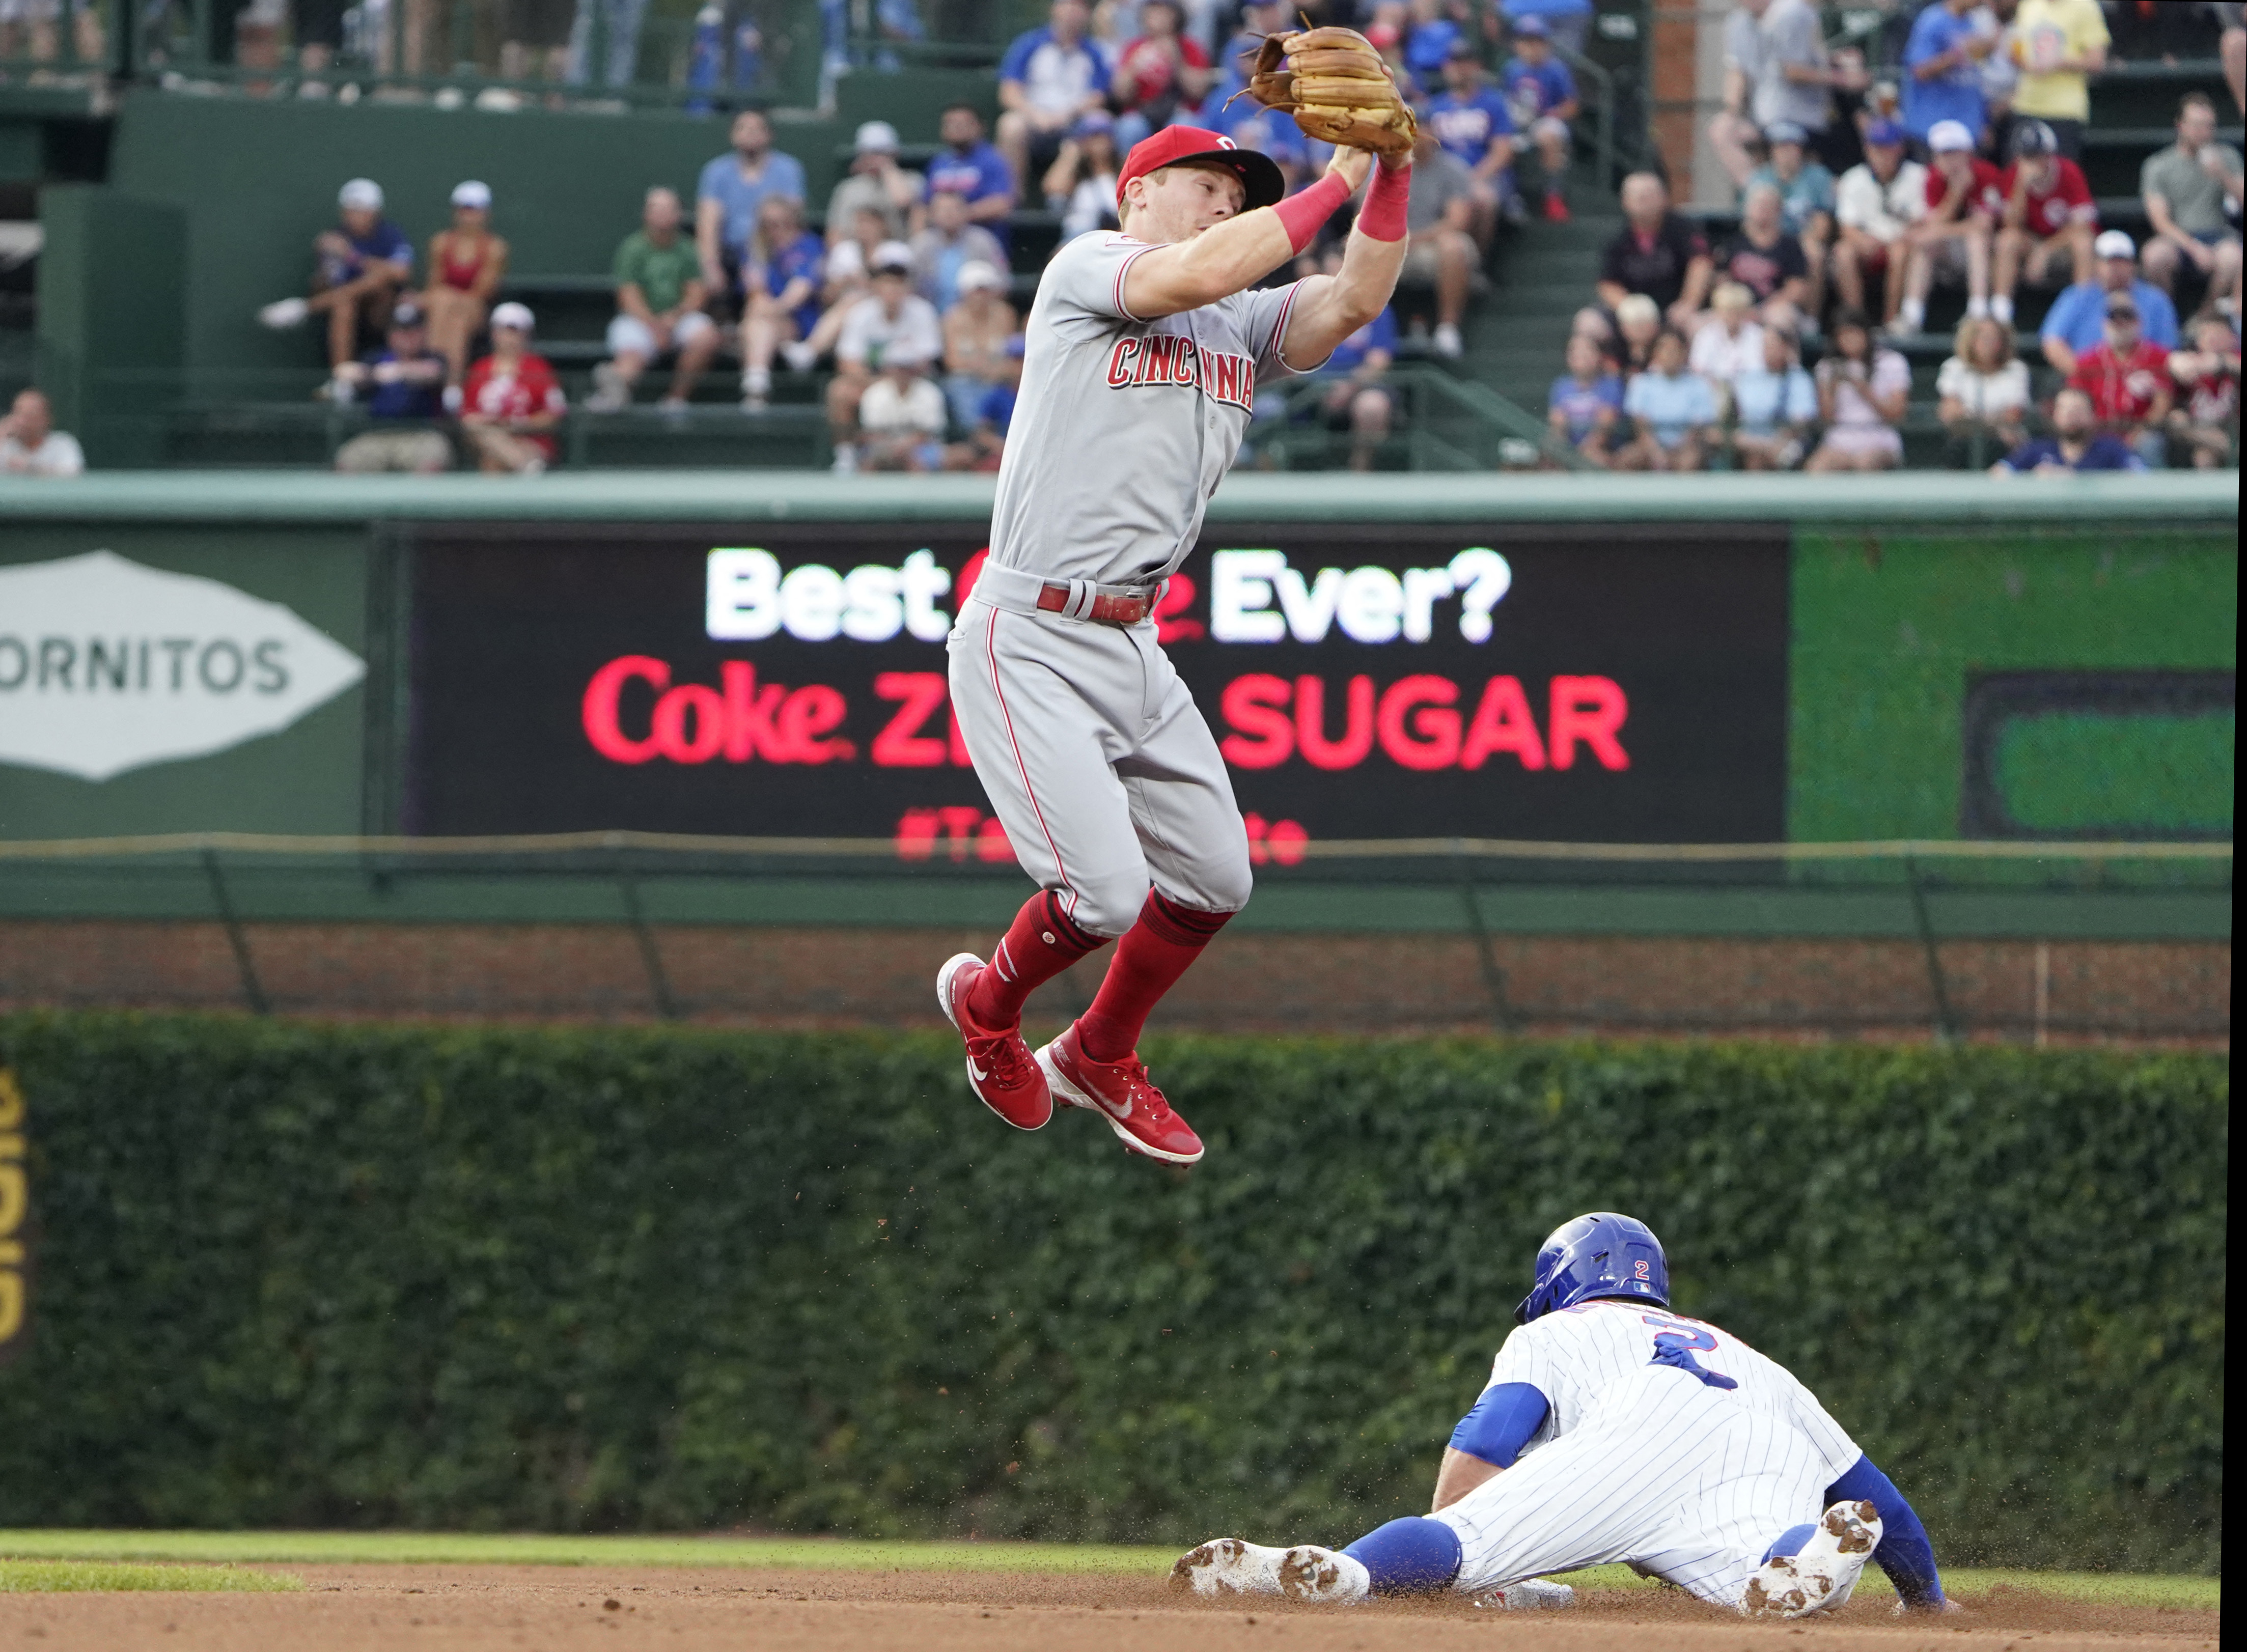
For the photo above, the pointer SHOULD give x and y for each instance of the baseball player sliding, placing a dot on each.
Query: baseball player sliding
(1143, 354)
(1613, 1429)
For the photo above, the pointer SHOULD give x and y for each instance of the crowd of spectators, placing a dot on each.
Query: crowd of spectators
(1863, 202)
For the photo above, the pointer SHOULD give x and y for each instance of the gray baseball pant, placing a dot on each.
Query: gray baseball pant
(1097, 762)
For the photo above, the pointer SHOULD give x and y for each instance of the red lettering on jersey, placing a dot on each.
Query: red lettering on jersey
(1119, 362)
(1226, 382)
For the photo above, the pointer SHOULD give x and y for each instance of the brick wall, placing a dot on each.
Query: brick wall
(2140, 993)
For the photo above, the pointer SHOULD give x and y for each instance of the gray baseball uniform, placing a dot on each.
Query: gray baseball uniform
(1091, 750)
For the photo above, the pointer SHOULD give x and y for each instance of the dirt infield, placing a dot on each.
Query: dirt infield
(466, 1608)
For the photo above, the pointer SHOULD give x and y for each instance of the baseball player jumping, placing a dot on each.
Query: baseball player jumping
(1613, 1429)
(1143, 354)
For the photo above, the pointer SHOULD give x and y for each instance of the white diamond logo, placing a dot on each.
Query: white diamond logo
(107, 666)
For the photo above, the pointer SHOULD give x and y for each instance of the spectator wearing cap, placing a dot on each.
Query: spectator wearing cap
(1439, 220)
(901, 416)
(2127, 378)
(1673, 409)
(783, 288)
(2077, 321)
(402, 386)
(1983, 390)
(1541, 95)
(1943, 63)
(660, 300)
(2207, 377)
(844, 280)
(892, 317)
(1565, 23)
(969, 165)
(2058, 46)
(1472, 123)
(730, 190)
(512, 401)
(2076, 444)
(948, 246)
(1585, 402)
(978, 328)
(1805, 199)
(2050, 220)
(877, 183)
(1162, 74)
(1876, 204)
(1437, 28)
(2191, 191)
(1658, 252)
(1774, 403)
(30, 444)
(1862, 390)
(1081, 183)
(1762, 257)
(1953, 236)
(1048, 80)
(467, 263)
(358, 269)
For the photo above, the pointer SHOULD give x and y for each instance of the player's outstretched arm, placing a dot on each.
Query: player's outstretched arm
(1904, 1553)
(1235, 255)
(1490, 1437)
(1327, 309)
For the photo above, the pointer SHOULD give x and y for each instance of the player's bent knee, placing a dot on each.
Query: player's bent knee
(1107, 906)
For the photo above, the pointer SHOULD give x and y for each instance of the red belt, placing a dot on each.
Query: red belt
(1107, 609)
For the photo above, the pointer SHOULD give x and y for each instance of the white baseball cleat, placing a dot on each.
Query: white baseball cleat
(1226, 1565)
(1531, 1595)
(1822, 1577)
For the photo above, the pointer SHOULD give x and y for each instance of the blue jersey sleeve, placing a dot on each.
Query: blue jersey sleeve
(1016, 63)
(1904, 1553)
(1501, 1422)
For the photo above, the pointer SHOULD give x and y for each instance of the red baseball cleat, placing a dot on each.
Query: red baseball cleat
(1000, 1070)
(1556, 209)
(1122, 1093)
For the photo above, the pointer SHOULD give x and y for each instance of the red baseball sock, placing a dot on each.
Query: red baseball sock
(1042, 942)
(1153, 954)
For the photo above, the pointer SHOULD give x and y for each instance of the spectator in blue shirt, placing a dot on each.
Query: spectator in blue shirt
(1585, 400)
(1048, 80)
(357, 268)
(1358, 397)
(1942, 69)
(2077, 320)
(402, 383)
(732, 187)
(1439, 28)
(1673, 408)
(969, 166)
(1567, 19)
(1773, 407)
(2077, 445)
(1805, 199)
(1541, 94)
(1471, 120)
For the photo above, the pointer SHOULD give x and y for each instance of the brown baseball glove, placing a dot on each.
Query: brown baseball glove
(1336, 86)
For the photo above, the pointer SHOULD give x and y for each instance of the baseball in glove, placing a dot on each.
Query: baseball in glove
(1336, 86)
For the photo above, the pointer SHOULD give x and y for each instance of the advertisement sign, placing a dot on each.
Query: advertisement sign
(108, 666)
(1362, 681)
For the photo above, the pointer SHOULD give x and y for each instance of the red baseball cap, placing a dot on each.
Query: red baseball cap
(1259, 174)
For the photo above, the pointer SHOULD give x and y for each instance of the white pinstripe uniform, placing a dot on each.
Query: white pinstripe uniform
(1646, 1462)
(1091, 750)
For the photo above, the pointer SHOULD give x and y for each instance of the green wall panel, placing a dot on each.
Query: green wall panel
(305, 779)
(1888, 626)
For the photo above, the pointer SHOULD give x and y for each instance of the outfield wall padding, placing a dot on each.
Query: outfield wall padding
(366, 1275)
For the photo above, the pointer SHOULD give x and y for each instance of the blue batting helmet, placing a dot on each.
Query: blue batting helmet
(1602, 1254)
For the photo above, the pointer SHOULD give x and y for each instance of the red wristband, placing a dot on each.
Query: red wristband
(1382, 217)
(1302, 214)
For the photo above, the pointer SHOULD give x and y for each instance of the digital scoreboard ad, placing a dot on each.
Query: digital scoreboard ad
(1363, 681)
